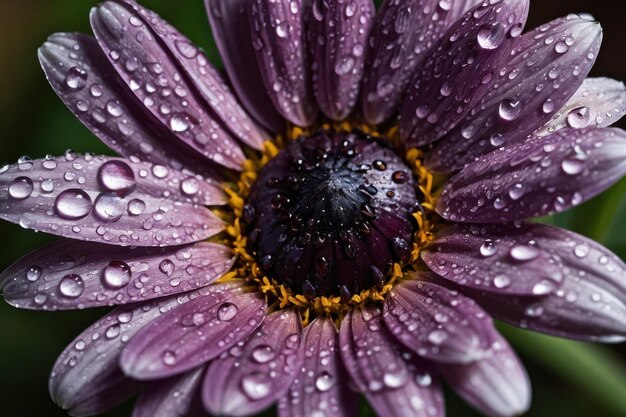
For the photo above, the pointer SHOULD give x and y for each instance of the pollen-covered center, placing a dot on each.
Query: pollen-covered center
(331, 214)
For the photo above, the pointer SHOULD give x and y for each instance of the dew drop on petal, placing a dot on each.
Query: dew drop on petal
(227, 311)
(21, 188)
(501, 281)
(263, 354)
(33, 273)
(256, 385)
(491, 36)
(116, 275)
(71, 286)
(117, 176)
(324, 381)
(524, 253)
(76, 78)
(73, 204)
(488, 248)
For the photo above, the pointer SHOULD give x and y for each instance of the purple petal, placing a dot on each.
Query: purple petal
(82, 77)
(231, 31)
(457, 8)
(320, 388)
(152, 74)
(403, 33)
(389, 377)
(591, 303)
(544, 70)
(259, 371)
(70, 274)
(497, 385)
(536, 178)
(223, 106)
(501, 259)
(86, 378)
(109, 200)
(436, 323)
(338, 33)
(278, 39)
(194, 333)
(459, 71)
(175, 397)
(599, 102)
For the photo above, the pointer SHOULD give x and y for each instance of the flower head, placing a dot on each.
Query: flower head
(343, 217)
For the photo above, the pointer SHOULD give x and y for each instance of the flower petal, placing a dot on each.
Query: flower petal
(536, 178)
(152, 74)
(175, 397)
(501, 259)
(109, 200)
(223, 106)
(389, 377)
(231, 31)
(278, 38)
(337, 36)
(320, 388)
(496, 385)
(598, 102)
(194, 333)
(86, 378)
(435, 322)
(69, 274)
(257, 373)
(458, 8)
(545, 69)
(591, 303)
(459, 71)
(403, 33)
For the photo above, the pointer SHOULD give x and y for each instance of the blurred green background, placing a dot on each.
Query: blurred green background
(569, 378)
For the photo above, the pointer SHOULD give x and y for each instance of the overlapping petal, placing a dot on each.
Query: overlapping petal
(591, 302)
(70, 274)
(231, 31)
(598, 102)
(338, 34)
(86, 378)
(278, 38)
(82, 77)
(460, 70)
(109, 200)
(154, 76)
(501, 259)
(496, 385)
(535, 178)
(402, 34)
(255, 374)
(389, 377)
(319, 387)
(545, 69)
(194, 333)
(436, 323)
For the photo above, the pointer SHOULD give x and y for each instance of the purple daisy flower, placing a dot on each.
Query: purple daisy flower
(343, 216)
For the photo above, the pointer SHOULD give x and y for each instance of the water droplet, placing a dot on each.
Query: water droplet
(344, 65)
(109, 207)
(437, 337)
(76, 78)
(579, 117)
(179, 123)
(117, 176)
(491, 36)
(71, 286)
(544, 287)
(573, 166)
(136, 207)
(509, 109)
(169, 358)
(324, 381)
(581, 250)
(263, 354)
(488, 248)
(190, 186)
(501, 281)
(227, 311)
(73, 204)
(167, 267)
(524, 252)
(395, 379)
(282, 29)
(21, 188)
(517, 191)
(116, 275)
(33, 273)
(256, 385)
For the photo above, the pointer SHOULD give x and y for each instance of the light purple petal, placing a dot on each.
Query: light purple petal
(389, 377)
(591, 303)
(86, 378)
(599, 102)
(152, 74)
(457, 8)
(109, 200)
(256, 373)
(223, 106)
(436, 323)
(460, 70)
(545, 69)
(231, 31)
(82, 77)
(70, 274)
(497, 385)
(501, 259)
(194, 333)
(536, 178)
(174, 397)
(403, 33)
(278, 38)
(320, 388)
(337, 38)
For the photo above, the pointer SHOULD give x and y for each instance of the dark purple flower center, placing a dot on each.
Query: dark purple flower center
(331, 213)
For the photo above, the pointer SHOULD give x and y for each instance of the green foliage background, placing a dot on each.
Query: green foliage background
(569, 378)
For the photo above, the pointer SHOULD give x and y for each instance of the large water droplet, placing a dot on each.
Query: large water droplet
(517, 191)
(344, 65)
(71, 286)
(109, 207)
(116, 275)
(117, 176)
(21, 188)
(227, 312)
(509, 109)
(488, 248)
(524, 253)
(169, 358)
(179, 123)
(76, 78)
(491, 36)
(579, 117)
(33, 273)
(324, 381)
(256, 385)
(263, 354)
(73, 204)
(573, 166)
(501, 281)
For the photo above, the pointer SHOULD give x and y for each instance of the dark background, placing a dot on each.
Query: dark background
(569, 379)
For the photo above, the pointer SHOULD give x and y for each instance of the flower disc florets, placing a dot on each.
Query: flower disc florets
(331, 213)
